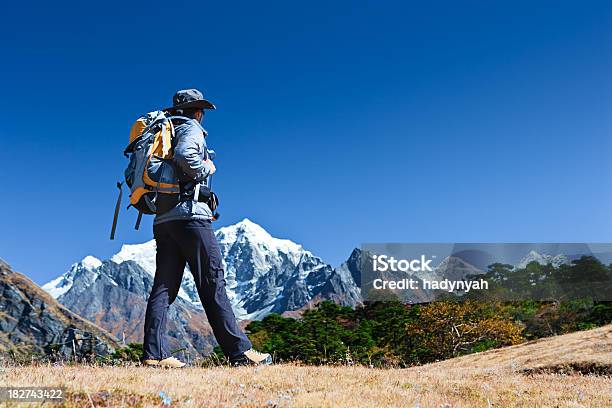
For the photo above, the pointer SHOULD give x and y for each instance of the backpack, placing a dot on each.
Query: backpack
(150, 170)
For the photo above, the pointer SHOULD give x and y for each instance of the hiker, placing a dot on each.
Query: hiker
(184, 235)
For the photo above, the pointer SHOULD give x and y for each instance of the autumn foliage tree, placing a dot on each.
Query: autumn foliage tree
(448, 329)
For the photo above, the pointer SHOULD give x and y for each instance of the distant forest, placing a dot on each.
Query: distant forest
(389, 332)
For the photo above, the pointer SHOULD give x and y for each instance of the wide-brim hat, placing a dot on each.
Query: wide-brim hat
(189, 98)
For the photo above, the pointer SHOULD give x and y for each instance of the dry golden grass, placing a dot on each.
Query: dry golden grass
(490, 379)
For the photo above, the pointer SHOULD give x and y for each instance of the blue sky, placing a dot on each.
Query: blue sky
(338, 122)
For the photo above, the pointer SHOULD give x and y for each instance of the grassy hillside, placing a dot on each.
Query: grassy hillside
(524, 375)
(555, 353)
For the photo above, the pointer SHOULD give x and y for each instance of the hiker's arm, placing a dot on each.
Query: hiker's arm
(188, 156)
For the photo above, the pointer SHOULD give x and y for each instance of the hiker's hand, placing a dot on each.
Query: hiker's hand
(208, 163)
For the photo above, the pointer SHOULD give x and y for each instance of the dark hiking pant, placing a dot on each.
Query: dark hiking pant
(192, 242)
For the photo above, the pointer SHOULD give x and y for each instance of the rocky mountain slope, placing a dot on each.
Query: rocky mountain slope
(31, 321)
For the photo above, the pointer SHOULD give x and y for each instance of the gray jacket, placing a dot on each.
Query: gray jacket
(189, 155)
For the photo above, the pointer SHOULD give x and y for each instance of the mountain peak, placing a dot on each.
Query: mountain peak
(247, 230)
(63, 283)
(247, 225)
(91, 262)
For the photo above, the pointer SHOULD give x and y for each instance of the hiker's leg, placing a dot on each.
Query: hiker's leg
(168, 275)
(204, 257)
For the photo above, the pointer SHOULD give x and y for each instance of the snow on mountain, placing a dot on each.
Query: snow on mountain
(142, 254)
(542, 259)
(265, 274)
(247, 230)
(63, 283)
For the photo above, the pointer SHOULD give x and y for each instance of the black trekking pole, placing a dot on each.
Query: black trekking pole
(213, 197)
(116, 214)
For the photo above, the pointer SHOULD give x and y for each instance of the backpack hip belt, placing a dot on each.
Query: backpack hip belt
(202, 194)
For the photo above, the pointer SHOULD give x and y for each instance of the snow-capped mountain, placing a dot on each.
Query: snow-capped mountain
(542, 259)
(263, 274)
(62, 284)
(266, 274)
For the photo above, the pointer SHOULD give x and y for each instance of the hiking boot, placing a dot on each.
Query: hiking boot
(169, 362)
(252, 357)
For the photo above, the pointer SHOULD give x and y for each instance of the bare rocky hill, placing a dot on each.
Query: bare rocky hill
(33, 322)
